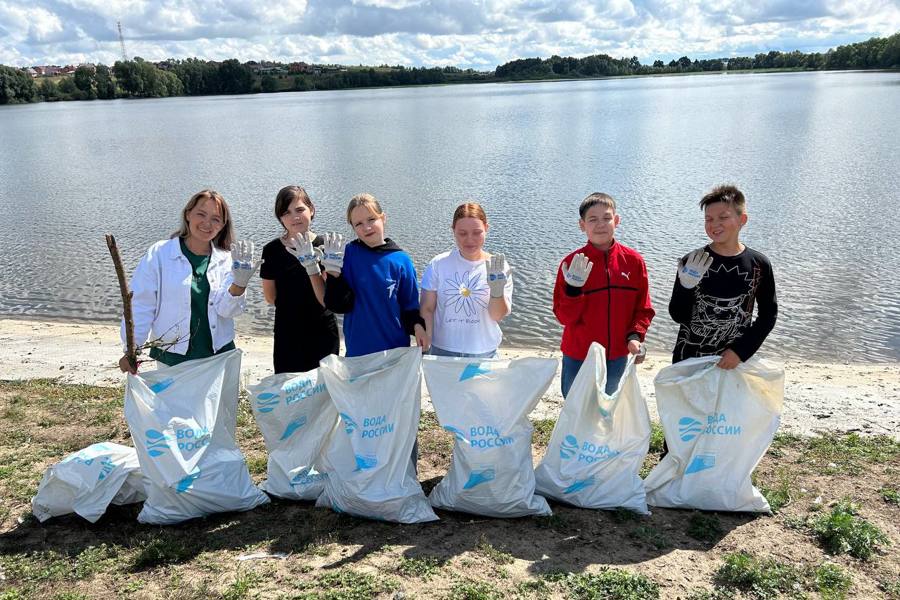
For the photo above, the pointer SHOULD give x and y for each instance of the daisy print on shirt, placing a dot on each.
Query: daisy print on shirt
(467, 293)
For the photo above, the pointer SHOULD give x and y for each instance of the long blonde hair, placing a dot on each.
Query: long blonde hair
(224, 238)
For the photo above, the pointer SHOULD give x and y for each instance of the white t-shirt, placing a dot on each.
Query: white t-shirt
(461, 319)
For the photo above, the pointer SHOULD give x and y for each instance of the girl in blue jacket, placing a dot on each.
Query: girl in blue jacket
(373, 283)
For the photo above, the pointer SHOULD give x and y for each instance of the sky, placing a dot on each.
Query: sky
(479, 34)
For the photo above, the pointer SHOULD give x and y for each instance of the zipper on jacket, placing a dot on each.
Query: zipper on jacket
(608, 306)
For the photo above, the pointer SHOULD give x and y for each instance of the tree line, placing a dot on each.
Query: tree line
(195, 77)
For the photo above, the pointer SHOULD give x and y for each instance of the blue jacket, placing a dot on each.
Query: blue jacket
(378, 294)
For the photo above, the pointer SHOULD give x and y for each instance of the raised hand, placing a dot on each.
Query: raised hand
(333, 260)
(578, 271)
(496, 274)
(301, 247)
(691, 271)
(243, 265)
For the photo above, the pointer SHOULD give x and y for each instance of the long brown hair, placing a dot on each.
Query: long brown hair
(224, 238)
(367, 200)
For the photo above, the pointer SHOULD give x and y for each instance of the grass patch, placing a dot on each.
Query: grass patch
(848, 451)
(890, 495)
(608, 584)
(345, 584)
(423, 567)
(651, 536)
(768, 578)
(891, 588)
(782, 492)
(543, 429)
(657, 437)
(498, 557)
(704, 527)
(473, 590)
(240, 588)
(532, 588)
(257, 464)
(623, 515)
(156, 551)
(844, 531)
(49, 566)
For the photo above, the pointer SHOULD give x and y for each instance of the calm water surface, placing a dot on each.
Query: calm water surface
(816, 154)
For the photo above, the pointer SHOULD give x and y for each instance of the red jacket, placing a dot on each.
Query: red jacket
(612, 305)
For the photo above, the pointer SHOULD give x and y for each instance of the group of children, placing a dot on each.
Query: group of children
(186, 290)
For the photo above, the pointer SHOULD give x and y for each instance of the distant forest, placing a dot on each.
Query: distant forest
(195, 77)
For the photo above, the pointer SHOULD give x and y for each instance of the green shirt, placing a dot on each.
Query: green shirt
(200, 343)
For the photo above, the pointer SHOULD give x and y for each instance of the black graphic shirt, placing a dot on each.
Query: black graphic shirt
(718, 314)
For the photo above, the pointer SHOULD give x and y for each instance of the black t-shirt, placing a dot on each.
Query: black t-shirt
(718, 313)
(305, 332)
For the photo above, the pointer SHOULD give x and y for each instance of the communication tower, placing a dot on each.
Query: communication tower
(122, 41)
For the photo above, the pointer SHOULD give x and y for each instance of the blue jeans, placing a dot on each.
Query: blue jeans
(570, 366)
(435, 351)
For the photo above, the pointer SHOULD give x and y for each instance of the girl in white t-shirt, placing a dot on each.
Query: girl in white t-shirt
(466, 292)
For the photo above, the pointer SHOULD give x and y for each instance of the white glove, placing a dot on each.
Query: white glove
(694, 268)
(243, 267)
(496, 274)
(579, 270)
(333, 260)
(301, 246)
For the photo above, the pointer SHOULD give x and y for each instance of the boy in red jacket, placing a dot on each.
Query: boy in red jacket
(601, 295)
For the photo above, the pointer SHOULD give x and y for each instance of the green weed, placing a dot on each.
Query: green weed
(543, 429)
(761, 579)
(473, 590)
(423, 567)
(623, 515)
(650, 535)
(844, 531)
(532, 588)
(156, 551)
(657, 437)
(891, 588)
(832, 582)
(241, 586)
(704, 527)
(783, 492)
(498, 557)
(345, 584)
(890, 495)
(609, 584)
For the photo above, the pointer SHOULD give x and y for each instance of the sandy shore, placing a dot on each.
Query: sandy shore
(818, 397)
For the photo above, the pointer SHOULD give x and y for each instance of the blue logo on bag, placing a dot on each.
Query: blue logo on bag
(106, 467)
(701, 462)
(459, 435)
(266, 402)
(479, 477)
(161, 385)
(568, 447)
(689, 428)
(473, 370)
(364, 463)
(292, 427)
(187, 482)
(157, 443)
(349, 424)
(304, 477)
(716, 424)
(579, 485)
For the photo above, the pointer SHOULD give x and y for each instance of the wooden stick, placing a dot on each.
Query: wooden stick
(131, 351)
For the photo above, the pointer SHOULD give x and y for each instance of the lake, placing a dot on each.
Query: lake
(816, 155)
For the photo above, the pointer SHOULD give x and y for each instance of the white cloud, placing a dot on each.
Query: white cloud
(466, 33)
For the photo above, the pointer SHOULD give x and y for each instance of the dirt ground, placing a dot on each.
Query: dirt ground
(575, 553)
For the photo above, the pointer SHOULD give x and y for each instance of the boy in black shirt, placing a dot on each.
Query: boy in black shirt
(718, 285)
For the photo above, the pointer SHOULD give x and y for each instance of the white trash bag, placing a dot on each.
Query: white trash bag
(296, 417)
(368, 462)
(599, 443)
(87, 481)
(485, 405)
(182, 420)
(718, 425)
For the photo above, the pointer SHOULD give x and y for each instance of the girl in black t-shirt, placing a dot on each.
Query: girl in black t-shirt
(305, 332)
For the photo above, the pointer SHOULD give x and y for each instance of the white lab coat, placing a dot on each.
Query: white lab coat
(161, 305)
